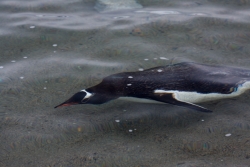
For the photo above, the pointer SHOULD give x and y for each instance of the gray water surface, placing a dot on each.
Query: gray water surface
(50, 50)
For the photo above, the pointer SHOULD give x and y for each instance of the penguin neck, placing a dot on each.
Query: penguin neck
(103, 89)
(97, 90)
(100, 96)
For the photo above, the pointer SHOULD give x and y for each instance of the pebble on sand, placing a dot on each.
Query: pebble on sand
(164, 58)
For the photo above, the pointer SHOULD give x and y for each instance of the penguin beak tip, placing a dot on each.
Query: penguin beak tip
(64, 104)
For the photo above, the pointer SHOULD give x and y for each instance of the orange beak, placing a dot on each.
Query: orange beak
(65, 104)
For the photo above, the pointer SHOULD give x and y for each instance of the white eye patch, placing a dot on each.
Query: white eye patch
(88, 95)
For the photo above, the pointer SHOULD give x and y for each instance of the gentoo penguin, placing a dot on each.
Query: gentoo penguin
(180, 84)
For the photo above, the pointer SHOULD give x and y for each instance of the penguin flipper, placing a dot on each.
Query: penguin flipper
(170, 99)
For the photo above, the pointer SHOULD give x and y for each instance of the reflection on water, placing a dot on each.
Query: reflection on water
(52, 49)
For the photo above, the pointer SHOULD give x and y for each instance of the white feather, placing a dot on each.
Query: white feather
(195, 97)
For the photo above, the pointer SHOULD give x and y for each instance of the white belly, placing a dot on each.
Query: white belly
(193, 97)
(139, 100)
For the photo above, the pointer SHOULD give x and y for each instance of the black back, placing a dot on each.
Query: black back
(191, 77)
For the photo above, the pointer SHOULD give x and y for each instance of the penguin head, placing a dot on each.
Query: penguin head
(81, 97)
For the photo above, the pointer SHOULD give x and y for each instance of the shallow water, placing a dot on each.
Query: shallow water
(52, 49)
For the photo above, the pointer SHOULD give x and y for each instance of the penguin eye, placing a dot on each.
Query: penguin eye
(84, 100)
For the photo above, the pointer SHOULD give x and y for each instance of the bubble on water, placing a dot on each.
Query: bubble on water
(140, 69)
(164, 12)
(40, 15)
(141, 11)
(32, 26)
(159, 70)
(121, 17)
(55, 45)
(198, 14)
(164, 58)
(227, 135)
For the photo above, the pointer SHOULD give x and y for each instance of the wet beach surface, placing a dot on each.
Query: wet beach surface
(52, 49)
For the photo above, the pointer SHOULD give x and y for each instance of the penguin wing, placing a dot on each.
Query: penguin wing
(171, 99)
